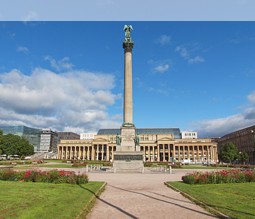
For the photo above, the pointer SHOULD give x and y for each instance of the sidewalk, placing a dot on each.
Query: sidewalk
(135, 195)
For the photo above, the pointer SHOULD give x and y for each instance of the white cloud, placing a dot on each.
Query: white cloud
(196, 59)
(161, 68)
(164, 40)
(59, 65)
(186, 55)
(30, 16)
(23, 49)
(221, 126)
(251, 97)
(77, 100)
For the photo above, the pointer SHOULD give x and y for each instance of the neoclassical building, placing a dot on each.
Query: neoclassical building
(157, 145)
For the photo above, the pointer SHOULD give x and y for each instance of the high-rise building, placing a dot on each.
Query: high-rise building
(49, 141)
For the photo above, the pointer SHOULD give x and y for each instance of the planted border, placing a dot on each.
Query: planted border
(52, 176)
(223, 176)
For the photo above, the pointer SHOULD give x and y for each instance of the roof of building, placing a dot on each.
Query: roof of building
(244, 131)
(175, 131)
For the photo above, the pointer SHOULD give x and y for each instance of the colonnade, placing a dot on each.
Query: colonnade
(179, 153)
(152, 153)
(93, 152)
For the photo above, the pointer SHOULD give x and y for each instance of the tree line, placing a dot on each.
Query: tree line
(15, 145)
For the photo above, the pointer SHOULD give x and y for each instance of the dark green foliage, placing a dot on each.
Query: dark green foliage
(15, 145)
(243, 157)
(228, 153)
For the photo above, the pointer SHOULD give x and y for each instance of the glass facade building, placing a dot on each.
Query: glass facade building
(31, 134)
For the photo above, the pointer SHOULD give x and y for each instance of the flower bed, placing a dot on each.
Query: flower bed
(52, 176)
(224, 176)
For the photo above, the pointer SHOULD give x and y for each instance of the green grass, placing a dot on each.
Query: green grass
(235, 200)
(46, 200)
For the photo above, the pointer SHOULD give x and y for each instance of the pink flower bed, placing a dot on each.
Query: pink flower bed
(223, 176)
(52, 176)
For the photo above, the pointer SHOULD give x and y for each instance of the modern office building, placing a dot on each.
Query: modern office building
(244, 139)
(33, 135)
(49, 141)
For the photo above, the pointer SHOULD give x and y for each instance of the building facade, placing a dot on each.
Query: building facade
(49, 141)
(190, 135)
(67, 136)
(85, 136)
(244, 139)
(157, 145)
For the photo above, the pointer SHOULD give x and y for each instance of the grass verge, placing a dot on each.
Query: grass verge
(234, 200)
(45, 200)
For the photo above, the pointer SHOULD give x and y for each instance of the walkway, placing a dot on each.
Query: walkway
(134, 195)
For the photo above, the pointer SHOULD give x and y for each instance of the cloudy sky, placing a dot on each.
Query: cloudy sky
(196, 76)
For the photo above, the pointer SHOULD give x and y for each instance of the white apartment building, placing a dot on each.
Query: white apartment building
(84, 136)
(189, 135)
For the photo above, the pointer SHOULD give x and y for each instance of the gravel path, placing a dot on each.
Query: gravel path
(135, 195)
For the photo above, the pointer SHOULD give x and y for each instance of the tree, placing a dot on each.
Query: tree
(15, 145)
(228, 153)
(243, 156)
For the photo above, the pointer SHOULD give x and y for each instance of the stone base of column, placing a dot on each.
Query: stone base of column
(127, 138)
(128, 162)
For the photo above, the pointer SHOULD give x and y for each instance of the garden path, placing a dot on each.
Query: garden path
(135, 195)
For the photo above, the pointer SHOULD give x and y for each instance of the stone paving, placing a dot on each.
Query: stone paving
(136, 195)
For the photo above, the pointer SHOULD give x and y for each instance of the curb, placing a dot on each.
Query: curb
(84, 212)
(202, 204)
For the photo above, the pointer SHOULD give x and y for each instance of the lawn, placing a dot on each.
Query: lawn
(237, 200)
(46, 200)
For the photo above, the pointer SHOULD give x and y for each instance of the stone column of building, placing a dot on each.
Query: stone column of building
(88, 153)
(158, 153)
(149, 153)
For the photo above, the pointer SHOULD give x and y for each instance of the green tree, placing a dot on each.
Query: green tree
(228, 153)
(14, 144)
(243, 157)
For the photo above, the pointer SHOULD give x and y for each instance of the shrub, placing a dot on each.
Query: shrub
(224, 176)
(53, 176)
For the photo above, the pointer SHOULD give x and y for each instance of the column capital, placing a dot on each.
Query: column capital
(128, 46)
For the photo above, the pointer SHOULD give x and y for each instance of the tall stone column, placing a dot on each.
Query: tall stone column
(127, 155)
(128, 96)
(128, 136)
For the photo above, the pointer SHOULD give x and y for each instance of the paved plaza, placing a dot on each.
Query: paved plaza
(136, 195)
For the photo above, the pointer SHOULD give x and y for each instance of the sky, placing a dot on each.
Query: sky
(190, 71)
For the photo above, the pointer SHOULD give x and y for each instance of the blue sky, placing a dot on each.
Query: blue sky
(196, 76)
(132, 10)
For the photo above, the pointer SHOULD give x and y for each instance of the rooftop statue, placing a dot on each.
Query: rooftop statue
(128, 29)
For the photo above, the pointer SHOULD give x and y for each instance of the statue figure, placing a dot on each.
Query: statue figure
(128, 29)
(118, 139)
(137, 140)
